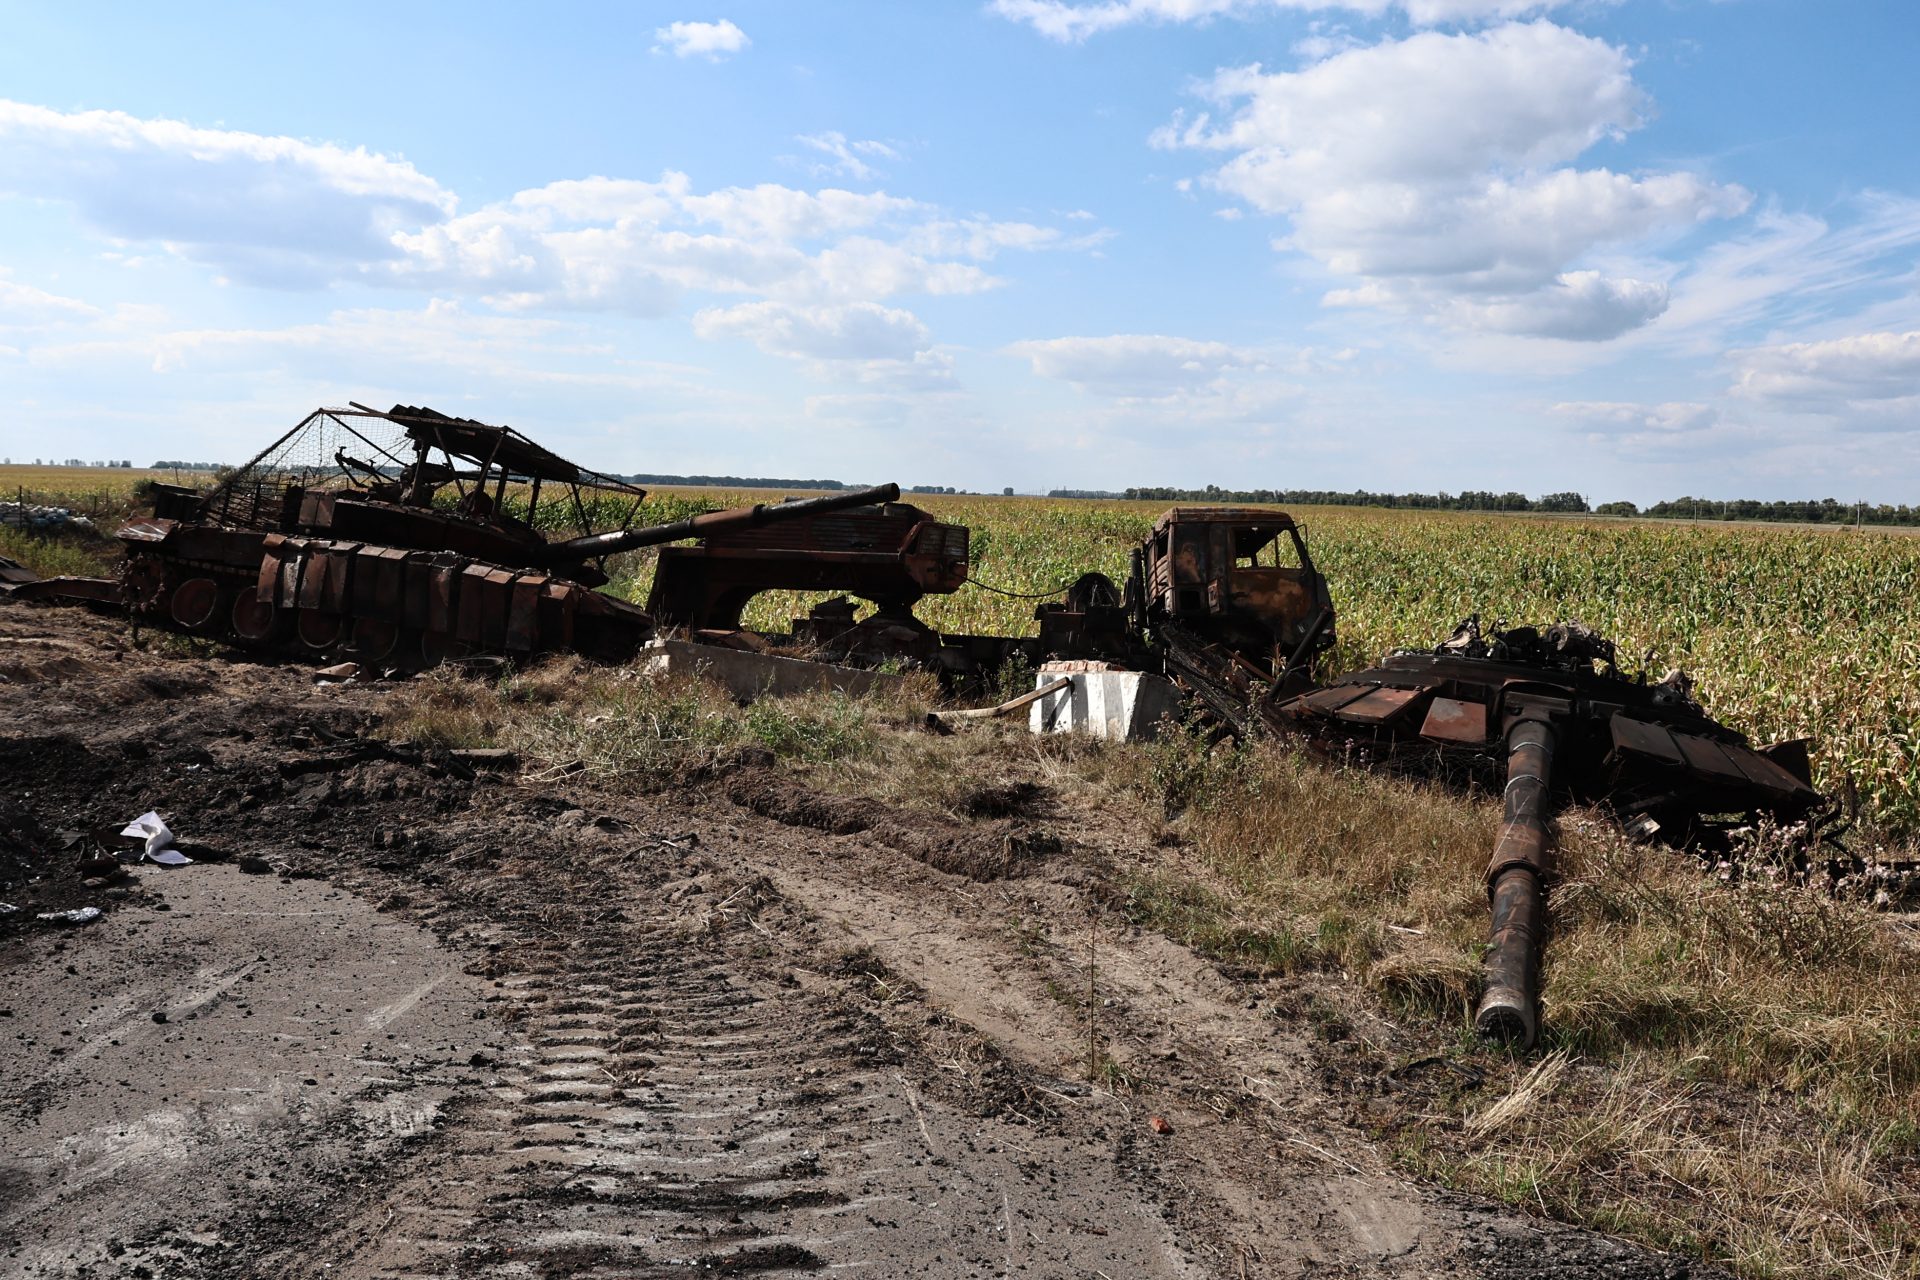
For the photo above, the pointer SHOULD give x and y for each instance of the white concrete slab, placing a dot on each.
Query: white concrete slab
(756, 675)
(1124, 706)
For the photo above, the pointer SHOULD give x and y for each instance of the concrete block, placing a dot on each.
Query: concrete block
(757, 675)
(1125, 706)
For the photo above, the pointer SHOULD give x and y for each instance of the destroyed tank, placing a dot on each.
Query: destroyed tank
(1552, 706)
(404, 538)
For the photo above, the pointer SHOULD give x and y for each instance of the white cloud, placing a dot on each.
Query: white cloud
(1137, 365)
(1436, 170)
(1874, 372)
(1581, 306)
(1675, 417)
(289, 213)
(860, 331)
(710, 40)
(24, 304)
(861, 341)
(846, 155)
(1075, 20)
(272, 210)
(1791, 272)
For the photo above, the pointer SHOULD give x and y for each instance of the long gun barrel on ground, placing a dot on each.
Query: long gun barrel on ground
(1516, 883)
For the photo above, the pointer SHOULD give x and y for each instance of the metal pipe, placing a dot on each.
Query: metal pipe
(600, 544)
(1517, 885)
(1011, 704)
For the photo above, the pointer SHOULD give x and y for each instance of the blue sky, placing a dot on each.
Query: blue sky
(1634, 249)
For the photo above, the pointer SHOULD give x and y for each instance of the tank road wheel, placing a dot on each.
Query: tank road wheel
(256, 621)
(195, 603)
(374, 639)
(145, 579)
(316, 630)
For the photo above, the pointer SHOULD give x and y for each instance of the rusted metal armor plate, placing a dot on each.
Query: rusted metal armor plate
(1650, 741)
(1452, 720)
(1328, 701)
(1380, 706)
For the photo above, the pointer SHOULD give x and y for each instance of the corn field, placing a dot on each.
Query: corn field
(1789, 632)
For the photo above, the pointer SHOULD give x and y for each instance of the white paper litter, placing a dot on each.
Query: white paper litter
(79, 915)
(150, 828)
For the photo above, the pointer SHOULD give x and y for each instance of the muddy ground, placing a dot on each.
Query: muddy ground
(405, 1017)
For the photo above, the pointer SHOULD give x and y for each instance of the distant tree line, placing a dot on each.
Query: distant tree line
(734, 482)
(1472, 500)
(1823, 511)
(187, 466)
(69, 462)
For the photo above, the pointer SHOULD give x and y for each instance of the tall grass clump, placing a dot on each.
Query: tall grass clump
(1730, 1062)
(623, 723)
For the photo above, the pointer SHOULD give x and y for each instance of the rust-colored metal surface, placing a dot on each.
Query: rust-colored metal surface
(1240, 578)
(891, 555)
(1455, 721)
(1551, 709)
(407, 537)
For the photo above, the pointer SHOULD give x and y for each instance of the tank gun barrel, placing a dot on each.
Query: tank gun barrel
(600, 544)
(1517, 878)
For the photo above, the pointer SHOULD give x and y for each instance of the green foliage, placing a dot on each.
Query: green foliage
(51, 557)
(1790, 633)
(829, 727)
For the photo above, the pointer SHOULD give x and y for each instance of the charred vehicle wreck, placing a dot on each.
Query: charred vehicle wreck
(404, 538)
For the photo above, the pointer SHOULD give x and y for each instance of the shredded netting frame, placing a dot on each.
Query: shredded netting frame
(309, 456)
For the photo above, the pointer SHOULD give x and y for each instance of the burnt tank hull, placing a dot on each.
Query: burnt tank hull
(401, 539)
(317, 597)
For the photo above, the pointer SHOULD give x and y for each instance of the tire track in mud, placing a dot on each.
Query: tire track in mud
(668, 1111)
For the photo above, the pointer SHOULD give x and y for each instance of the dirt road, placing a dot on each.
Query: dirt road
(459, 1023)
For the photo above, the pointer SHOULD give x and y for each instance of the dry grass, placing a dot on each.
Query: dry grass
(622, 722)
(1732, 1064)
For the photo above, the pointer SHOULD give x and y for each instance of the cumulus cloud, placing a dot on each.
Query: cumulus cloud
(845, 156)
(1437, 169)
(710, 40)
(1866, 371)
(1580, 306)
(1074, 20)
(285, 212)
(270, 210)
(861, 331)
(1137, 365)
(636, 246)
(861, 342)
